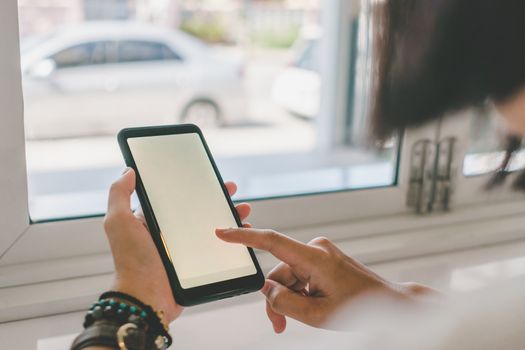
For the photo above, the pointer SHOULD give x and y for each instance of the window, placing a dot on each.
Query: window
(289, 133)
(142, 51)
(251, 78)
(291, 162)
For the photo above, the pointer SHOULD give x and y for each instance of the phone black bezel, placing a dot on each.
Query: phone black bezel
(201, 294)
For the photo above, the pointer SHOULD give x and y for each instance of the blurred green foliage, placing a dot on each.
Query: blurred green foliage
(214, 31)
(209, 31)
(276, 40)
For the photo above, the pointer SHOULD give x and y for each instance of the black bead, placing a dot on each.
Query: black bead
(108, 311)
(133, 319)
(97, 312)
(139, 321)
(121, 314)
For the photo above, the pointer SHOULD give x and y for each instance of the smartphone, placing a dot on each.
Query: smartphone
(184, 200)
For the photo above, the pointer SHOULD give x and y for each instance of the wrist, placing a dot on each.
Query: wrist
(146, 295)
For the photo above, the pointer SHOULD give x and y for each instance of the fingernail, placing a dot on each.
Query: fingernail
(225, 230)
(126, 171)
(221, 231)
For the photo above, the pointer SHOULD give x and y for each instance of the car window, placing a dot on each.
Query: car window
(85, 54)
(169, 54)
(308, 58)
(145, 51)
(98, 54)
(75, 56)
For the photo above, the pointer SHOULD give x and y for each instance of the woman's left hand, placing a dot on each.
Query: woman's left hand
(138, 268)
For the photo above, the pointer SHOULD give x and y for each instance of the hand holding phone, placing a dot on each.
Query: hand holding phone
(177, 180)
(138, 268)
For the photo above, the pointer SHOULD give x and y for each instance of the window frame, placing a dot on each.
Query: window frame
(75, 237)
(84, 236)
(13, 182)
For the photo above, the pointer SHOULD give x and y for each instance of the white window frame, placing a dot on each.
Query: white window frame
(60, 260)
(84, 237)
(13, 181)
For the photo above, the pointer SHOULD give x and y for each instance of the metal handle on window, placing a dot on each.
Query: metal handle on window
(431, 174)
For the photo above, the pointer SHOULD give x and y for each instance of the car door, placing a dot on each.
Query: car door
(148, 78)
(75, 98)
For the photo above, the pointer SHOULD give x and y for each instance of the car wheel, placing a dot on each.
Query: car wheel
(203, 113)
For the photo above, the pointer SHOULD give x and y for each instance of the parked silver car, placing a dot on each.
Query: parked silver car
(298, 87)
(98, 77)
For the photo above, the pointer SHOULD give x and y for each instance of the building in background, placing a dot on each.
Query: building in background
(273, 24)
(40, 16)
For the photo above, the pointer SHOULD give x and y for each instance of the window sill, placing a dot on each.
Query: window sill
(455, 272)
(64, 285)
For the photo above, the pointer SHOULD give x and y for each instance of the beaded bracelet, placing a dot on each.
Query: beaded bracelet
(123, 308)
(153, 317)
(111, 309)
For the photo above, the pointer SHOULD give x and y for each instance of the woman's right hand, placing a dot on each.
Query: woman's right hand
(314, 280)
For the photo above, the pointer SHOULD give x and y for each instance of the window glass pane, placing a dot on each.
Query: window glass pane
(485, 153)
(251, 76)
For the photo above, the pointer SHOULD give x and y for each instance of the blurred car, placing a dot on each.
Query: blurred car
(98, 77)
(298, 87)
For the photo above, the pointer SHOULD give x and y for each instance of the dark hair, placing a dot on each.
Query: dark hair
(439, 56)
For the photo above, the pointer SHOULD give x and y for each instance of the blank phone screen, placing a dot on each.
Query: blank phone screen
(189, 204)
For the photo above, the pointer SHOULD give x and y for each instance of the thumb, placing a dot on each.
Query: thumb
(120, 193)
(290, 303)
